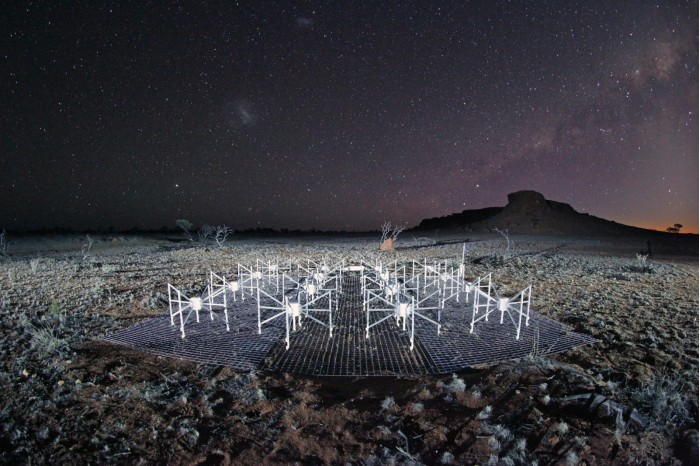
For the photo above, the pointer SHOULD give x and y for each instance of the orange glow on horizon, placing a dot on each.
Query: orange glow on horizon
(685, 229)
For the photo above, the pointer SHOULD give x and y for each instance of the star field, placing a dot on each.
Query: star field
(341, 116)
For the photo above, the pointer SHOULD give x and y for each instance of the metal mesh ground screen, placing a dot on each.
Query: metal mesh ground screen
(348, 353)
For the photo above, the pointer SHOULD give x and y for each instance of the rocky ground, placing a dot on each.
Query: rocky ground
(70, 399)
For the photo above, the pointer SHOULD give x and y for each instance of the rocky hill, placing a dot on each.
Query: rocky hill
(528, 212)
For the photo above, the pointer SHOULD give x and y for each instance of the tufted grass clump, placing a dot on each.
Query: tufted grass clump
(662, 401)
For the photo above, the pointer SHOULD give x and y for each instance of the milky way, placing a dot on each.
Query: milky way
(344, 115)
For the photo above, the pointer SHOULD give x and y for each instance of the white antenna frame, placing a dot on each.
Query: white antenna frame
(316, 298)
(183, 302)
(518, 304)
(221, 286)
(369, 297)
(386, 289)
(482, 291)
(417, 308)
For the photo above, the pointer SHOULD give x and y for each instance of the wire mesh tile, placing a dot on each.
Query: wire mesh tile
(206, 341)
(492, 341)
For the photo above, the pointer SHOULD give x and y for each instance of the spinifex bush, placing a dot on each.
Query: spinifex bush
(662, 401)
(45, 340)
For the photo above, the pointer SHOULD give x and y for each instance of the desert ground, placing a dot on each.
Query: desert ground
(70, 398)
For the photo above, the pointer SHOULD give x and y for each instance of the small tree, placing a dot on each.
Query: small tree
(221, 233)
(676, 228)
(206, 232)
(186, 227)
(389, 236)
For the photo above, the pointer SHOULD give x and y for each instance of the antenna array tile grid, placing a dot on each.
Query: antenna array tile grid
(348, 353)
(206, 341)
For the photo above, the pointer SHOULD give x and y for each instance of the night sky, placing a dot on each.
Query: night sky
(342, 115)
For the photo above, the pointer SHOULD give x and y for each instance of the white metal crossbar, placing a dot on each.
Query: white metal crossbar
(283, 307)
(377, 298)
(309, 305)
(517, 308)
(487, 300)
(421, 310)
(452, 285)
(484, 300)
(217, 287)
(178, 303)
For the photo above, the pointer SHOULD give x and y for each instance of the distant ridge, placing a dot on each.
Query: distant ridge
(529, 212)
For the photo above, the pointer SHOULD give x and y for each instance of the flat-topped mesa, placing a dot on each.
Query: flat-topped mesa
(528, 202)
(530, 213)
(534, 203)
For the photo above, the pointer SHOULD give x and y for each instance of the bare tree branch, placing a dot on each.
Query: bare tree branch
(86, 247)
(505, 235)
(397, 231)
(386, 231)
(221, 233)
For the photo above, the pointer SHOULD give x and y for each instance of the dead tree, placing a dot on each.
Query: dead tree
(506, 236)
(389, 236)
(87, 245)
(221, 234)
